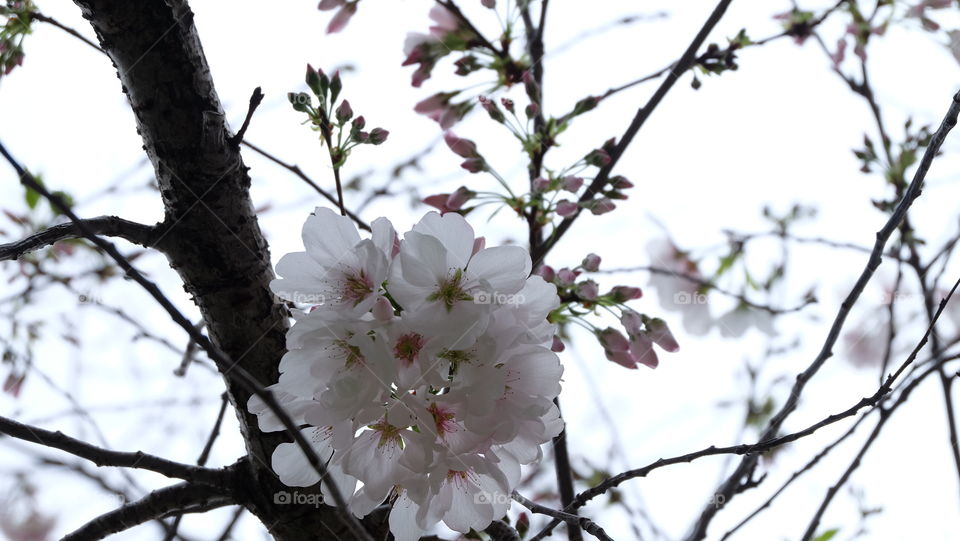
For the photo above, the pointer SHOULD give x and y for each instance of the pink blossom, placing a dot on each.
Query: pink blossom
(613, 340)
(439, 202)
(459, 197)
(658, 331)
(602, 206)
(546, 272)
(541, 184)
(340, 20)
(566, 208)
(446, 22)
(588, 290)
(625, 293)
(557, 345)
(462, 147)
(474, 165)
(567, 276)
(572, 184)
(439, 109)
(591, 263)
(837, 57)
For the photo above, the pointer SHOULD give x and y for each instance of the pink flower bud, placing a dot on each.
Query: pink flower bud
(344, 112)
(327, 5)
(474, 165)
(439, 202)
(598, 158)
(566, 276)
(566, 208)
(588, 290)
(507, 104)
(531, 110)
(660, 334)
(479, 243)
(378, 135)
(340, 20)
(641, 350)
(489, 3)
(620, 182)
(572, 184)
(546, 272)
(613, 340)
(461, 147)
(632, 322)
(557, 345)
(602, 206)
(623, 358)
(591, 263)
(541, 184)
(382, 309)
(458, 198)
(625, 293)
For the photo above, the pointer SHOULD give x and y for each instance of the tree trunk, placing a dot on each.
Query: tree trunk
(210, 232)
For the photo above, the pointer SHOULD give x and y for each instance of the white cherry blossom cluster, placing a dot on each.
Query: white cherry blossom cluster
(422, 369)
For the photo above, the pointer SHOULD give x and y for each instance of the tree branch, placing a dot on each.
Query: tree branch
(105, 457)
(686, 62)
(310, 182)
(179, 498)
(728, 489)
(110, 226)
(586, 524)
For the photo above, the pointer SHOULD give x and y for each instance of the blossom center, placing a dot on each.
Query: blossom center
(407, 347)
(450, 291)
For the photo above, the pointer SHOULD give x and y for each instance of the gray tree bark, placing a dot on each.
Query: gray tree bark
(210, 232)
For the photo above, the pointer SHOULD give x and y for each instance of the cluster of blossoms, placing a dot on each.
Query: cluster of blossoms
(423, 369)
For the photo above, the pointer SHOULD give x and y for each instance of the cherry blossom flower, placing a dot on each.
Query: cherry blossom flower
(424, 373)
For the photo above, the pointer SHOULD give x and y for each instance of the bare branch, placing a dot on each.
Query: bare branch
(299, 172)
(728, 489)
(105, 457)
(572, 521)
(255, 100)
(179, 498)
(686, 62)
(110, 226)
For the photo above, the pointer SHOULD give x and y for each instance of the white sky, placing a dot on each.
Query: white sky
(778, 131)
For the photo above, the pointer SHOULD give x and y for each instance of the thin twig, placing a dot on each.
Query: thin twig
(106, 457)
(298, 172)
(686, 62)
(36, 15)
(110, 226)
(573, 521)
(255, 100)
(179, 498)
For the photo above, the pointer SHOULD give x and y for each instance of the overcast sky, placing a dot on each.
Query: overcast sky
(776, 132)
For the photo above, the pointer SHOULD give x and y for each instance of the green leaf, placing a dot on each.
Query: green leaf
(32, 197)
(827, 535)
(66, 198)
